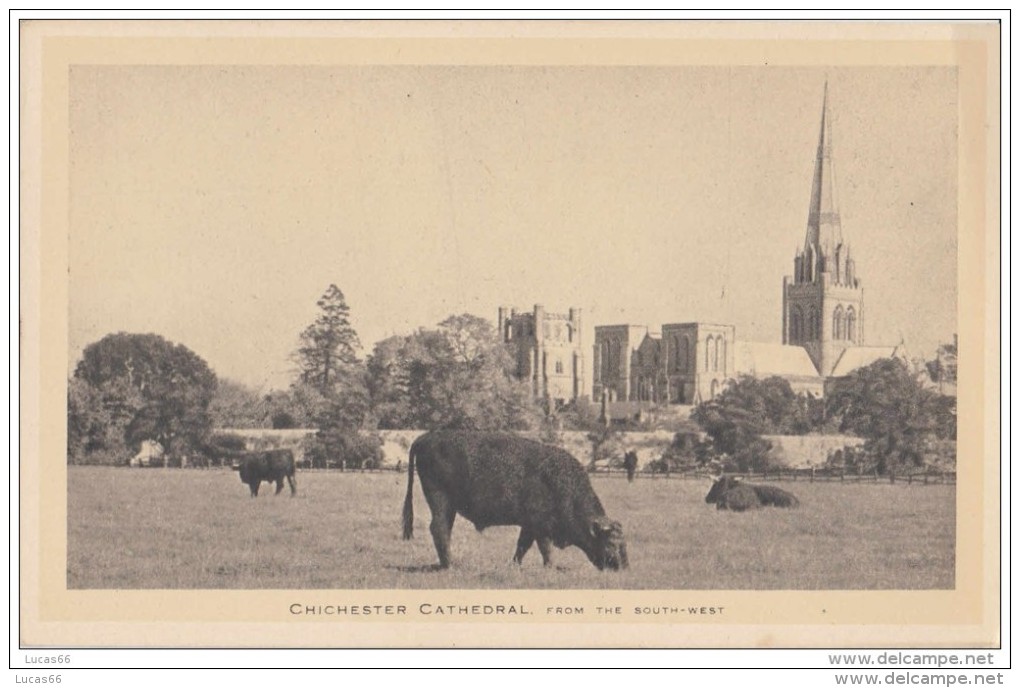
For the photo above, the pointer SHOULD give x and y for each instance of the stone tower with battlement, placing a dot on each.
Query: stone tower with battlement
(547, 350)
(823, 302)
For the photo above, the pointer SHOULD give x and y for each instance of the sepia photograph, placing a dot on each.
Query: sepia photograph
(655, 325)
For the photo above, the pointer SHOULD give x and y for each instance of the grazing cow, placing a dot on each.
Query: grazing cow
(630, 463)
(767, 494)
(270, 466)
(501, 479)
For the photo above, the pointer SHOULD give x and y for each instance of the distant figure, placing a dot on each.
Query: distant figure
(630, 463)
(399, 466)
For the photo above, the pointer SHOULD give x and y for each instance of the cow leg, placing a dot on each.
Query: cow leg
(293, 485)
(545, 547)
(524, 543)
(254, 489)
(443, 514)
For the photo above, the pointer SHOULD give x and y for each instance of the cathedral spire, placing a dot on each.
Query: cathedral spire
(824, 233)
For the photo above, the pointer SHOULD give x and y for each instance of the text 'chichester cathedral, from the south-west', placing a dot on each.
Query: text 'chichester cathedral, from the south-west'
(691, 362)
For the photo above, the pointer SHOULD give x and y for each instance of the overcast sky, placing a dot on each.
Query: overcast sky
(214, 205)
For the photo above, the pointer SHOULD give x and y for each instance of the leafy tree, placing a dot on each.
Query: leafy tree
(142, 387)
(943, 367)
(330, 393)
(387, 383)
(900, 419)
(750, 408)
(458, 375)
(344, 450)
(328, 345)
(235, 405)
(97, 418)
(686, 451)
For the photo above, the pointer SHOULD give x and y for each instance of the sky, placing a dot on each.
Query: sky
(214, 205)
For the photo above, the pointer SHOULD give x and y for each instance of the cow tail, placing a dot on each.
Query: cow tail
(408, 500)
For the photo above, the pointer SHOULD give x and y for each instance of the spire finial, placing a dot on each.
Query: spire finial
(823, 231)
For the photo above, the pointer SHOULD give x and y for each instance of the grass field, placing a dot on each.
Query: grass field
(158, 528)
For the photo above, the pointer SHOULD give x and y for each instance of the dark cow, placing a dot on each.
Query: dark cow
(501, 479)
(630, 464)
(740, 497)
(767, 494)
(270, 466)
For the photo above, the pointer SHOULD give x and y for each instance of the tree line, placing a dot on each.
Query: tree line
(129, 388)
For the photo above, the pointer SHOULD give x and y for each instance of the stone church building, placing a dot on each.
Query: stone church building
(547, 350)
(823, 323)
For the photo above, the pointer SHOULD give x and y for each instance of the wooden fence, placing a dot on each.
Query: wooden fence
(805, 475)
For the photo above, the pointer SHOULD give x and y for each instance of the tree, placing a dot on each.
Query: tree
(329, 344)
(330, 393)
(898, 417)
(142, 387)
(942, 369)
(386, 383)
(458, 375)
(235, 405)
(750, 408)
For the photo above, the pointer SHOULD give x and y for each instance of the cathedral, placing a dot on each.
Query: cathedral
(690, 362)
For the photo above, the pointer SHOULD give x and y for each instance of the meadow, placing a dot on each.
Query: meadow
(135, 528)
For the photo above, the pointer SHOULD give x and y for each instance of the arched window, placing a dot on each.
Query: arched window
(837, 323)
(715, 353)
(813, 330)
(722, 353)
(559, 367)
(684, 354)
(851, 324)
(607, 363)
(709, 348)
(796, 324)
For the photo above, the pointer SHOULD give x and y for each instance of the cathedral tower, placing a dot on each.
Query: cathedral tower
(823, 302)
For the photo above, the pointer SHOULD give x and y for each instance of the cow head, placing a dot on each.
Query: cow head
(610, 550)
(719, 487)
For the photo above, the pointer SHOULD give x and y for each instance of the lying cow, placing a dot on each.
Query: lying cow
(738, 498)
(501, 479)
(271, 466)
(765, 495)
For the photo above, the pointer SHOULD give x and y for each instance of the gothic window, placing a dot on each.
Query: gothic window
(796, 324)
(722, 353)
(708, 354)
(715, 353)
(813, 331)
(837, 323)
(559, 367)
(851, 324)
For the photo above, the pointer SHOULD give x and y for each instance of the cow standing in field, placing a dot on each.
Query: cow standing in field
(501, 479)
(271, 466)
(630, 464)
(764, 495)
